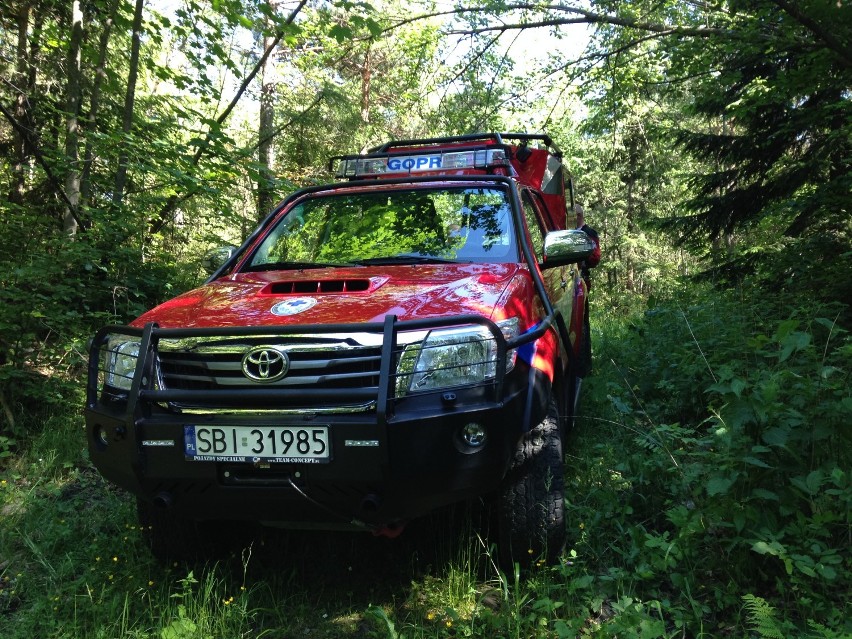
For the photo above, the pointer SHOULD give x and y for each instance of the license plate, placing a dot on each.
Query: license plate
(253, 444)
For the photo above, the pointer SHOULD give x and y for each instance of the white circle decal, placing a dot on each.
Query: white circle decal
(294, 306)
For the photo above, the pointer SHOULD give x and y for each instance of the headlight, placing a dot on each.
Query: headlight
(453, 357)
(119, 361)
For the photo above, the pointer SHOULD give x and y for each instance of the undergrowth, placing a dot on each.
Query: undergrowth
(727, 426)
(707, 487)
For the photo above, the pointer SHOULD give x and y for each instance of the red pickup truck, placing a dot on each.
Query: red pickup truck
(404, 339)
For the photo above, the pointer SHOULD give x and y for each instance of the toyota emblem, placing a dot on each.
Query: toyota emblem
(265, 364)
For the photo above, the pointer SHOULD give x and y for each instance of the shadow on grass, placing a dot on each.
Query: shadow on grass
(357, 568)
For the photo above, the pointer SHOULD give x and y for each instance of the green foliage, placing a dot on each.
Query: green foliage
(742, 455)
(773, 130)
(349, 89)
(627, 178)
(763, 620)
(477, 96)
(785, 152)
(53, 294)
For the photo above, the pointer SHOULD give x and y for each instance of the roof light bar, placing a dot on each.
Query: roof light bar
(354, 166)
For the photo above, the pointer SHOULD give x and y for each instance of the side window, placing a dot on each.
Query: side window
(534, 225)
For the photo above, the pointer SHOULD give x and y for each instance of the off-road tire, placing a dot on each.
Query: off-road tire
(171, 537)
(530, 506)
(584, 365)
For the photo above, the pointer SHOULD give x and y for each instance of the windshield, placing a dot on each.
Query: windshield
(400, 226)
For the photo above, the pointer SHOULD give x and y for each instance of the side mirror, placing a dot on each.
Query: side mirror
(215, 258)
(566, 247)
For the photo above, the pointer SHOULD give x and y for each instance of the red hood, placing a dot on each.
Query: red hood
(324, 296)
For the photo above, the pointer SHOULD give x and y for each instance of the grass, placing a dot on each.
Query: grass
(655, 546)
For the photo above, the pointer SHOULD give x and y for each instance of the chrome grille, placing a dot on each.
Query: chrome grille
(210, 364)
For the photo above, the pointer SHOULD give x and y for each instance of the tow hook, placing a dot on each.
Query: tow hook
(391, 531)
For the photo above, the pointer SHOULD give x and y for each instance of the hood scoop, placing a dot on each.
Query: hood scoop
(314, 287)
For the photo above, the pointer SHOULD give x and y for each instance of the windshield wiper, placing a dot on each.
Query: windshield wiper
(295, 266)
(408, 259)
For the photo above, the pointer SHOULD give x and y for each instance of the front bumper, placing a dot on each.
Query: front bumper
(377, 475)
(399, 461)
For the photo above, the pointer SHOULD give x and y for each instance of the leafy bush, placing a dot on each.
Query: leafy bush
(738, 472)
(54, 292)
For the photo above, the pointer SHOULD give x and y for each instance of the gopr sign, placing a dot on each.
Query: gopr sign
(415, 163)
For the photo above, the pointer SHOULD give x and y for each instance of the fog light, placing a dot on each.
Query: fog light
(101, 437)
(473, 434)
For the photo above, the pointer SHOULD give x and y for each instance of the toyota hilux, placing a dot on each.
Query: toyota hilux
(401, 340)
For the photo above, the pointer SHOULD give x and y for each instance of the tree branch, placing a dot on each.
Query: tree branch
(582, 17)
(662, 29)
(247, 151)
(845, 52)
(477, 56)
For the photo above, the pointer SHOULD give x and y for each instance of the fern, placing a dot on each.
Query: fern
(761, 618)
(821, 632)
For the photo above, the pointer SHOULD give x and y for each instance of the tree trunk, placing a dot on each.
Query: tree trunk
(72, 113)
(129, 102)
(94, 102)
(266, 146)
(366, 77)
(630, 256)
(19, 146)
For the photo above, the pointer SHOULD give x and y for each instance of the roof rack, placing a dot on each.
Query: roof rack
(478, 151)
(480, 157)
(496, 138)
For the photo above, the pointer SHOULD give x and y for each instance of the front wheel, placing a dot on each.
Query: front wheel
(169, 536)
(172, 537)
(531, 506)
